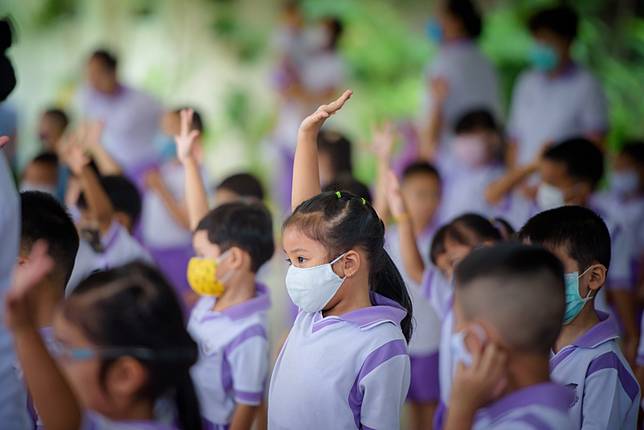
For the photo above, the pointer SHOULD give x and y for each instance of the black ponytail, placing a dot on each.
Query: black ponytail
(342, 221)
(134, 308)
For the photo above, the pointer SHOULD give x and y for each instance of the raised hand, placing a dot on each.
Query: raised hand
(314, 122)
(75, 157)
(93, 133)
(26, 276)
(394, 196)
(186, 138)
(384, 138)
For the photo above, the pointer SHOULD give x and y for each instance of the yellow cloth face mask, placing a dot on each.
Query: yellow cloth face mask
(202, 277)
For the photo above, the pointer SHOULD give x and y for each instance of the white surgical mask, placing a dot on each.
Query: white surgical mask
(549, 197)
(460, 353)
(312, 288)
(43, 188)
(470, 150)
(624, 183)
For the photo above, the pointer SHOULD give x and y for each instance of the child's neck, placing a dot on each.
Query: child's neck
(142, 410)
(240, 289)
(525, 370)
(420, 226)
(354, 300)
(586, 319)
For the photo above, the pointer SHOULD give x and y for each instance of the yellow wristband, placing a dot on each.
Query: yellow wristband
(402, 217)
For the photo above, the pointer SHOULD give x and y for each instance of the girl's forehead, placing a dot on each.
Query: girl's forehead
(293, 238)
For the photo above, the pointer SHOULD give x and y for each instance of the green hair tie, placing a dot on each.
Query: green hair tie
(364, 202)
(339, 194)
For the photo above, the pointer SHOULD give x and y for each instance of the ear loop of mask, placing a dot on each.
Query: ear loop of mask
(588, 295)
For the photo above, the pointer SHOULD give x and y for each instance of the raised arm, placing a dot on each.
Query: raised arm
(412, 261)
(177, 210)
(306, 177)
(383, 142)
(91, 139)
(53, 397)
(497, 190)
(196, 196)
(98, 202)
(431, 138)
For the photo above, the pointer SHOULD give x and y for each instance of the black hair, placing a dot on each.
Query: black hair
(582, 159)
(59, 116)
(634, 149)
(476, 120)
(346, 182)
(504, 227)
(514, 285)
(248, 226)
(338, 147)
(7, 73)
(244, 185)
(132, 307)
(421, 168)
(337, 28)
(472, 229)
(345, 221)
(560, 20)
(437, 246)
(107, 58)
(123, 195)
(580, 231)
(469, 15)
(46, 157)
(42, 217)
(197, 120)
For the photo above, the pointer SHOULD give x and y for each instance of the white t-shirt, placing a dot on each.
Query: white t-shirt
(546, 110)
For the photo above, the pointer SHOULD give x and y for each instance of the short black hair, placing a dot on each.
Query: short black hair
(469, 15)
(107, 58)
(248, 226)
(420, 168)
(634, 149)
(46, 157)
(437, 246)
(337, 28)
(244, 185)
(197, 119)
(338, 147)
(472, 229)
(42, 217)
(560, 20)
(123, 194)
(504, 227)
(580, 231)
(347, 182)
(476, 120)
(582, 159)
(59, 116)
(513, 285)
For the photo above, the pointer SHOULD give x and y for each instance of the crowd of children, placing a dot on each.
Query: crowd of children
(486, 280)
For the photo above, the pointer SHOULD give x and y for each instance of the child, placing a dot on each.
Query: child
(233, 240)
(586, 356)
(345, 362)
(108, 210)
(240, 186)
(502, 378)
(41, 174)
(334, 156)
(477, 151)
(51, 128)
(165, 227)
(121, 349)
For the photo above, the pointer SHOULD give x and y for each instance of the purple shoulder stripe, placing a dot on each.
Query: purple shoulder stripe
(610, 360)
(374, 359)
(560, 356)
(252, 331)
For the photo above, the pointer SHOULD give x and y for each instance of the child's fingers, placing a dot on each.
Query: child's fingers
(193, 135)
(337, 104)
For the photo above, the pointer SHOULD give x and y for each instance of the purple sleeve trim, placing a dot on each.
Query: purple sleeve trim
(252, 331)
(610, 360)
(248, 397)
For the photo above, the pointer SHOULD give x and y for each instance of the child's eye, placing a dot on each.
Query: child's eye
(301, 260)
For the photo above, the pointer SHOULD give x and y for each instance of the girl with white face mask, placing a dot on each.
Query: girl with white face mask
(345, 361)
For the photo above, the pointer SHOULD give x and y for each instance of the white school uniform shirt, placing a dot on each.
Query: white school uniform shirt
(159, 228)
(13, 414)
(471, 80)
(233, 355)
(542, 406)
(342, 372)
(119, 248)
(607, 395)
(95, 421)
(446, 367)
(437, 290)
(546, 109)
(425, 338)
(131, 121)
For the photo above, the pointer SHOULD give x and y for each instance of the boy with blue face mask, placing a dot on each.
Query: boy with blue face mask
(586, 357)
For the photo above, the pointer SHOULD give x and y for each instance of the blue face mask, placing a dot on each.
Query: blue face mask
(543, 57)
(434, 31)
(166, 147)
(574, 302)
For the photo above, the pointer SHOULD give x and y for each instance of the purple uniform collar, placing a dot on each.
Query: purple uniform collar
(260, 303)
(383, 310)
(547, 394)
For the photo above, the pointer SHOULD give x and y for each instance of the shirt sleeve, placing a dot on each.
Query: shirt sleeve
(611, 395)
(382, 385)
(247, 356)
(620, 276)
(594, 116)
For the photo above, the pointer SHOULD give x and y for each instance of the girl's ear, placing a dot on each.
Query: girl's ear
(350, 264)
(596, 277)
(125, 378)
